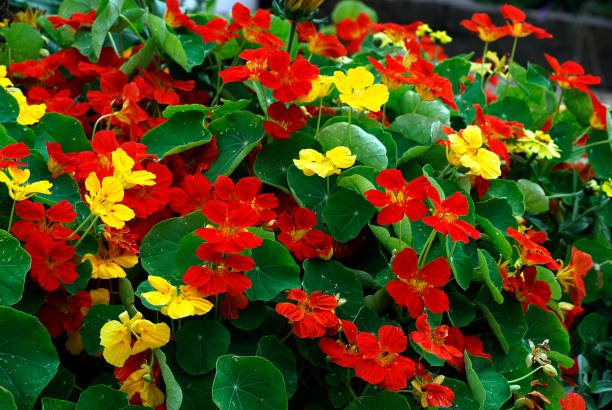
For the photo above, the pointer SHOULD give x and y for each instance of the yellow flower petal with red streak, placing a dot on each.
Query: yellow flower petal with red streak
(123, 165)
(152, 335)
(17, 185)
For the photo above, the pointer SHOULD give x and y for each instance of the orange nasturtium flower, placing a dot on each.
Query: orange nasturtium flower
(358, 90)
(17, 185)
(103, 198)
(189, 302)
(313, 162)
(116, 337)
(570, 276)
(466, 149)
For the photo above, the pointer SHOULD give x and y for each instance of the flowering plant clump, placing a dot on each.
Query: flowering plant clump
(257, 210)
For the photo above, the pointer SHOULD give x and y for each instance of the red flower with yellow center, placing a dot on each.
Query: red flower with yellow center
(393, 74)
(353, 32)
(570, 276)
(326, 45)
(257, 63)
(517, 27)
(231, 235)
(526, 288)
(417, 288)
(400, 198)
(191, 194)
(254, 29)
(431, 393)
(482, 25)
(431, 86)
(571, 75)
(51, 262)
(382, 363)
(223, 274)
(530, 252)
(247, 191)
(288, 80)
(445, 218)
(313, 315)
(341, 353)
(36, 221)
(285, 120)
(433, 342)
(472, 344)
(298, 235)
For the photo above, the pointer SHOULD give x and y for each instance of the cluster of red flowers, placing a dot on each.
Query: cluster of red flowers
(232, 209)
(45, 240)
(406, 199)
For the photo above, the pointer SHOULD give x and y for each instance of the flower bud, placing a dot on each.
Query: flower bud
(549, 370)
(305, 6)
(43, 52)
(514, 388)
(520, 402)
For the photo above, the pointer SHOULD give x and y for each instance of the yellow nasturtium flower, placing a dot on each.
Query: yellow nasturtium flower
(440, 36)
(123, 165)
(189, 302)
(357, 89)
(142, 382)
(313, 162)
(466, 150)
(423, 29)
(109, 263)
(28, 113)
(538, 143)
(18, 188)
(4, 81)
(321, 87)
(607, 187)
(116, 337)
(102, 200)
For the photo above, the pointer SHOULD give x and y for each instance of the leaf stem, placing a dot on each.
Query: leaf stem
(510, 66)
(127, 20)
(287, 336)
(10, 223)
(482, 65)
(78, 228)
(291, 36)
(589, 211)
(525, 376)
(423, 256)
(319, 118)
(349, 126)
(91, 225)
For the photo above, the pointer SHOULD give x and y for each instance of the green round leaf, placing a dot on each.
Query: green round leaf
(346, 213)
(463, 396)
(490, 388)
(237, 134)
(275, 270)
(64, 186)
(368, 149)
(101, 397)
(333, 278)
(6, 400)
(49, 403)
(509, 190)
(593, 328)
(9, 108)
(545, 325)
(61, 385)
(67, 131)
(511, 109)
(351, 9)
(251, 317)
(432, 109)
(159, 248)
(22, 42)
(198, 345)
(96, 317)
(248, 382)
(28, 359)
(183, 131)
(275, 159)
(455, 69)
(506, 320)
(535, 198)
(282, 357)
(385, 400)
(14, 265)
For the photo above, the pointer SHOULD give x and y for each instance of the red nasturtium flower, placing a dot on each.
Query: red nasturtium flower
(174, 17)
(431, 86)
(313, 315)
(353, 32)
(572, 401)
(298, 235)
(445, 218)
(246, 191)
(51, 262)
(288, 80)
(60, 313)
(472, 344)
(215, 30)
(257, 63)
(417, 288)
(482, 25)
(341, 353)
(393, 75)
(75, 22)
(191, 194)
(36, 221)
(432, 393)
(400, 198)
(527, 289)
(326, 45)
(433, 341)
(571, 75)
(224, 275)
(232, 303)
(60, 163)
(233, 218)
(12, 152)
(517, 26)
(530, 251)
(382, 363)
(161, 87)
(599, 118)
(570, 276)
(254, 29)
(284, 120)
